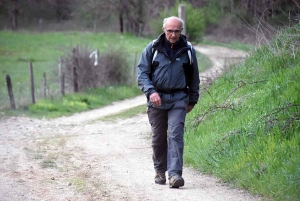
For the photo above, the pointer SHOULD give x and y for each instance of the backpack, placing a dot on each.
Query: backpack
(188, 69)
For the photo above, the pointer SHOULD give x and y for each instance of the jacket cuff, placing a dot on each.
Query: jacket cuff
(149, 92)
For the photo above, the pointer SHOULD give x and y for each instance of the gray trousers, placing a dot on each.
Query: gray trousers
(167, 137)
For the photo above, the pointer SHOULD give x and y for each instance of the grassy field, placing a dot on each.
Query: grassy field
(246, 126)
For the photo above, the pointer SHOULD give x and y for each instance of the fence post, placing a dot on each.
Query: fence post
(75, 65)
(61, 77)
(181, 14)
(10, 92)
(44, 86)
(62, 84)
(32, 82)
(135, 63)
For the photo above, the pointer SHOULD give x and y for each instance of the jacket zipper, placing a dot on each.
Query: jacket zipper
(174, 58)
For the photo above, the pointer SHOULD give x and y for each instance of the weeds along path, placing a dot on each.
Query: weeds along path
(83, 158)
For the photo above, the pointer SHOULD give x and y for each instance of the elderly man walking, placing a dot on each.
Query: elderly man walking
(167, 74)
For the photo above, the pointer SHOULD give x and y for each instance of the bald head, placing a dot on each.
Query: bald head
(173, 19)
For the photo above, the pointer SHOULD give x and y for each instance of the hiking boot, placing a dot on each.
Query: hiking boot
(176, 181)
(160, 178)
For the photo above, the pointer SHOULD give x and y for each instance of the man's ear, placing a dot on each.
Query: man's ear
(162, 28)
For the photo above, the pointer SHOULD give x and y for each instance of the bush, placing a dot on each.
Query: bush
(112, 69)
(211, 13)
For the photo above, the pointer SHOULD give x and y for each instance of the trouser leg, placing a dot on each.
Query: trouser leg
(158, 120)
(176, 119)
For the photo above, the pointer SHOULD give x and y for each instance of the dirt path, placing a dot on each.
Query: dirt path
(83, 158)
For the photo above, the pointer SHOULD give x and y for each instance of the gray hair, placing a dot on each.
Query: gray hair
(168, 18)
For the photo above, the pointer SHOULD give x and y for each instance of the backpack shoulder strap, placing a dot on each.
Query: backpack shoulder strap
(154, 52)
(190, 52)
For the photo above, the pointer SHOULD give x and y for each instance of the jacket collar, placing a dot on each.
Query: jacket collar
(159, 43)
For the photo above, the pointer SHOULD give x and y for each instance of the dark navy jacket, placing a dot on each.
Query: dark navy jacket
(167, 74)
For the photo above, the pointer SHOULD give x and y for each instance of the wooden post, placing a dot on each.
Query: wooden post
(40, 24)
(75, 77)
(98, 56)
(181, 14)
(62, 84)
(44, 86)
(135, 63)
(10, 92)
(75, 66)
(231, 5)
(31, 82)
(60, 77)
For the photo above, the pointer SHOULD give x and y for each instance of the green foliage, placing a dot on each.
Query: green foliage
(212, 12)
(246, 127)
(195, 21)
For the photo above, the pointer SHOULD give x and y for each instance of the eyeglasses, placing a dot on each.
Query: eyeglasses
(176, 32)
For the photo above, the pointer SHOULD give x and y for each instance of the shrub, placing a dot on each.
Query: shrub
(112, 69)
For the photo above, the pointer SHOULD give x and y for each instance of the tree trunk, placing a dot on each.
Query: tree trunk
(231, 5)
(222, 6)
(121, 21)
(13, 14)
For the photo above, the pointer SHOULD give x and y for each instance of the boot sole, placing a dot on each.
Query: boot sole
(160, 182)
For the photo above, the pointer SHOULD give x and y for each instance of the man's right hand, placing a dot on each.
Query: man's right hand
(155, 99)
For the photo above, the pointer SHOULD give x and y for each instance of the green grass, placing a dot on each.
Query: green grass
(72, 103)
(245, 129)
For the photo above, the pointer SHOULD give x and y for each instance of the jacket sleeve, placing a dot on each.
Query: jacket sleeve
(143, 71)
(194, 87)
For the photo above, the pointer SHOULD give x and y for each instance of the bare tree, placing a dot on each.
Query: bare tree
(267, 8)
(130, 12)
(13, 10)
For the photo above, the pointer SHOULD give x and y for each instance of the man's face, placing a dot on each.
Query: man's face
(172, 30)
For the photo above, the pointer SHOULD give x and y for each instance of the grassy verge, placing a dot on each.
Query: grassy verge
(246, 127)
(72, 103)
